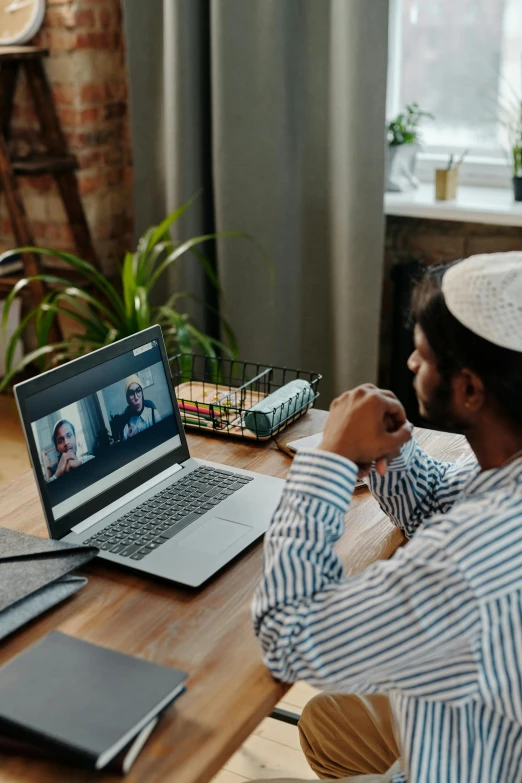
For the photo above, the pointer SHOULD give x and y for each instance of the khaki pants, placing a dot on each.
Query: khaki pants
(347, 737)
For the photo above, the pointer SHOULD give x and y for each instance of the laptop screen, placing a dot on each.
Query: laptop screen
(101, 426)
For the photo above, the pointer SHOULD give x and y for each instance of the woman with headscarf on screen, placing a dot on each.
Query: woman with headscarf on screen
(141, 413)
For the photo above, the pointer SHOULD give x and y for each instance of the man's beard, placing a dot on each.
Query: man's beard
(438, 409)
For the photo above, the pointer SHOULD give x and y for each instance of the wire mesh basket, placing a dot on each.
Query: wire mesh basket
(217, 395)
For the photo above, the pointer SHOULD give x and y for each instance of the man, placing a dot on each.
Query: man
(64, 439)
(431, 640)
(141, 413)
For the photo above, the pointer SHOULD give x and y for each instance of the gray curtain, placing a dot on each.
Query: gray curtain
(92, 421)
(276, 108)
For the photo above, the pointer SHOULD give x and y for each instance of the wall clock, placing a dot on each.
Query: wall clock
(20, 20)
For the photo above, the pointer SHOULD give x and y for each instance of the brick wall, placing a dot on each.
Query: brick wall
(433, 242)
(86, 69)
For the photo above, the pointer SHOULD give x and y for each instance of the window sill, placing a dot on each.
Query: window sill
(473, 204)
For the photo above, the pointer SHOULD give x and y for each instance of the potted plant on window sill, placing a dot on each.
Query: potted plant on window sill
(104, 311)
(403, 145)
(509, 111)
(516, 152)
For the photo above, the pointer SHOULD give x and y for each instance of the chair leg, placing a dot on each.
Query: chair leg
(285, 716)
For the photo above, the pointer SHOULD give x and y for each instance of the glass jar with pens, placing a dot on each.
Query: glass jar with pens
(242, 399)
(447, 180)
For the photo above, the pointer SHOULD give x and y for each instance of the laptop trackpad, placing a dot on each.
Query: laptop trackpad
(215, 536)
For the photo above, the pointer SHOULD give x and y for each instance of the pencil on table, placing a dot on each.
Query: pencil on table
(201, 410)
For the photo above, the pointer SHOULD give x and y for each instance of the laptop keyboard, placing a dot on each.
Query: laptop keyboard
(156, 521)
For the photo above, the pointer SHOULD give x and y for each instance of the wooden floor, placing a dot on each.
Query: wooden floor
(272, 751)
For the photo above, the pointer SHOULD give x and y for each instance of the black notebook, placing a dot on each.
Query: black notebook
(11, 743)
(85, 702)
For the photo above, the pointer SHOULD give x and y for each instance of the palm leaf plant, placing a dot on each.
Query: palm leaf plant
(105, 313)
(511, 118)
(506, 108)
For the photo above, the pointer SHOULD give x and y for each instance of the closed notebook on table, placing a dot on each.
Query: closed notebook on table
(86, 703)
(12, 744)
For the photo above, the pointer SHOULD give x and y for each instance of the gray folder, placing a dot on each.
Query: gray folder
(35, 574)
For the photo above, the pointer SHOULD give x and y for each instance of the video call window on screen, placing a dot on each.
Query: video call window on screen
(88, 429)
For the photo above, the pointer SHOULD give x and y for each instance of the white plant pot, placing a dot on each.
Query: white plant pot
(400, 167)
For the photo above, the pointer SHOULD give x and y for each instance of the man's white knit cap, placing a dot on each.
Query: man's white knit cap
(484, 293)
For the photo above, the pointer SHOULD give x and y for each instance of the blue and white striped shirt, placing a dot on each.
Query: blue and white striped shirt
(438, 627)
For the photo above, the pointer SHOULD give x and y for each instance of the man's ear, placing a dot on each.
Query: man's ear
(469, 391)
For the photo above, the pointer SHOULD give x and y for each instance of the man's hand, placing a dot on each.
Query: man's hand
(365, 425)
(67, 461)
(74, 462)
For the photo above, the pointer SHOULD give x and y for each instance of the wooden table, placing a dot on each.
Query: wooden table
(206, 632)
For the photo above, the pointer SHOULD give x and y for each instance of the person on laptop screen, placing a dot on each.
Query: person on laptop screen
(141, 413)
(64, 439)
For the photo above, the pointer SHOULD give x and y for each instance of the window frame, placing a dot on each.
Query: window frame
(477, 170)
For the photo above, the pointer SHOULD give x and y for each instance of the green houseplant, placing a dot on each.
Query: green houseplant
(517, 167)
(505, 107)
(105, 312)
(513, 124)
(403, 144)
(404, 128)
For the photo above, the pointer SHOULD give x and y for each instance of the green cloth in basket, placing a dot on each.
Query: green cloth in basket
(266, 416)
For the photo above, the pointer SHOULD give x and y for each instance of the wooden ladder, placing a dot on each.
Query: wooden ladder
(56, 161)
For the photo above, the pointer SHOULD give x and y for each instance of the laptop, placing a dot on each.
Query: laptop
(113, 467)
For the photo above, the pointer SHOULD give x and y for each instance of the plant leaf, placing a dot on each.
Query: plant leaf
(128, 279)
(162, 229)
(78, 296)
(188, 245)
(43, 324)
(15, 337)
(73, 315)
(19, 285)
(233, 350)
(142, 308)
(89, 271)
(28, 359)
(146, 262)
(203, 340)
(208, 268)
(179, 324)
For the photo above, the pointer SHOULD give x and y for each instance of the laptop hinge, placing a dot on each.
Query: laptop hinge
(81, 527)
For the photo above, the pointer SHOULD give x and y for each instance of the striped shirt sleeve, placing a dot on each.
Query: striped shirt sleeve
(416, 486)
(362, 632)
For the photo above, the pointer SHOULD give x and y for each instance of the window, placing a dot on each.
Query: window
(462, 61)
